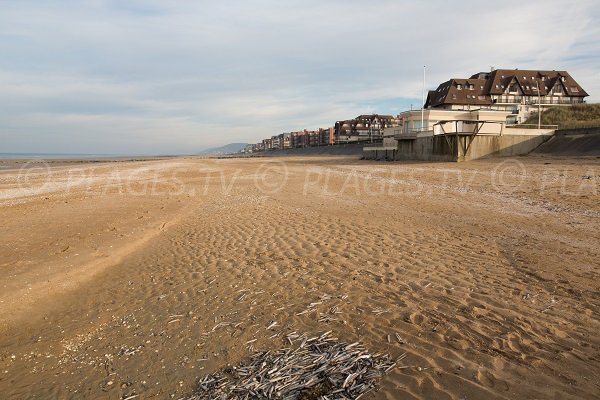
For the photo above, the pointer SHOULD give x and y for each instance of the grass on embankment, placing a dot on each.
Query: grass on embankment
(577, 116)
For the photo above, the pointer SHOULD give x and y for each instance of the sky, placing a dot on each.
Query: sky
(175, 77)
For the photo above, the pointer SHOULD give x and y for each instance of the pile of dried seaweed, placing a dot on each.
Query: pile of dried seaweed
(319, 368)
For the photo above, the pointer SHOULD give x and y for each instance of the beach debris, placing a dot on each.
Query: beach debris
(272, 325)
(320, 367)
(399, 338)
(379, 311)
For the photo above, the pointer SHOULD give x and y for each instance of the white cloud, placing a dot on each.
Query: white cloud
(169, 76)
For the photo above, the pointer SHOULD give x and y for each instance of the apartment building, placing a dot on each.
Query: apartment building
(364, 128)
(520, 92)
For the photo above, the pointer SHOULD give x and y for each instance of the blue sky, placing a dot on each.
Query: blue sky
(150, 77)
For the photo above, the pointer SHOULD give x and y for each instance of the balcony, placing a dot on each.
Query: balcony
(533, 100)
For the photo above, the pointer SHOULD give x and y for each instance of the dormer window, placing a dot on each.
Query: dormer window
(459, 86)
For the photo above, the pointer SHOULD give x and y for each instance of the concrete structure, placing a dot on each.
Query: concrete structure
(573, 142)
(520, 92)
(439, 121)
(448, 135)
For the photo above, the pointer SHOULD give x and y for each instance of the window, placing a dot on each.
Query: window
(481, 87)
(497, 86)
(513, 88)
(481, 97)
(453, 97)
(459, 87)
(574, 89)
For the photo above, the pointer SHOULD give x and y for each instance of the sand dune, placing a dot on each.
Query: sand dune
(484, 274)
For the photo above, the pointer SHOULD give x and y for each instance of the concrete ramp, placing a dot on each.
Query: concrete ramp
(573, 142)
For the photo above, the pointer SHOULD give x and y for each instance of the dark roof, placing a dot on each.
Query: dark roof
(459, 91)
(527, 80)
(486, 84)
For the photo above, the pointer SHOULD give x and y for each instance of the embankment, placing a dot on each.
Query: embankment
(573, 142)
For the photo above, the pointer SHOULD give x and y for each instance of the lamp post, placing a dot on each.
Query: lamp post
(537, 86)
(423, 101)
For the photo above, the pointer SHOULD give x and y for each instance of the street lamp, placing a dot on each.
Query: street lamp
(537, 86)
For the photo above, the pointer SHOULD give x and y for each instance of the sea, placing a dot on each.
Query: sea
(53, 156)
(37, 158)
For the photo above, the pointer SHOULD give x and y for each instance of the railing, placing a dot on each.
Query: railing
(532, 126)
(534, 100)
(554, 101)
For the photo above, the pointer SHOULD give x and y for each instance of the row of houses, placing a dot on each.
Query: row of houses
(503, 96)
(287, 140)
(367, 128)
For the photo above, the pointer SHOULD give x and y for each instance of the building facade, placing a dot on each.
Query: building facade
(520, 92)
(364, 128)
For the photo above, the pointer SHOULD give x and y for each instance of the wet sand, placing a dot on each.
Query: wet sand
(137, 278)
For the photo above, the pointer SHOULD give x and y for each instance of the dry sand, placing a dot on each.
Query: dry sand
(138, 278)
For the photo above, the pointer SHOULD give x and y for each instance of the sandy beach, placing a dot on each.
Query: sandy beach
(137, 278)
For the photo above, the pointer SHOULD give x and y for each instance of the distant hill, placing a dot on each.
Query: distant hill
(580, 115)
(227, 149)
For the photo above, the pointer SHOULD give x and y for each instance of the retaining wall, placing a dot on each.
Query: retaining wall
(451, 148)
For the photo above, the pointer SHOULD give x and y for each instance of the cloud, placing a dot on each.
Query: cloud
(175, 76)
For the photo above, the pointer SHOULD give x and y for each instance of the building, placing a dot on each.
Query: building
(327, 136)
(267, 144)
(364, 128)
(520, 92)
(287, 137)
(313, 138)
(455, 135)
(441, 121)
(298, 139)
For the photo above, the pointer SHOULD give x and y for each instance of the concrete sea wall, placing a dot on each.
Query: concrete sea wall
(452, 148)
